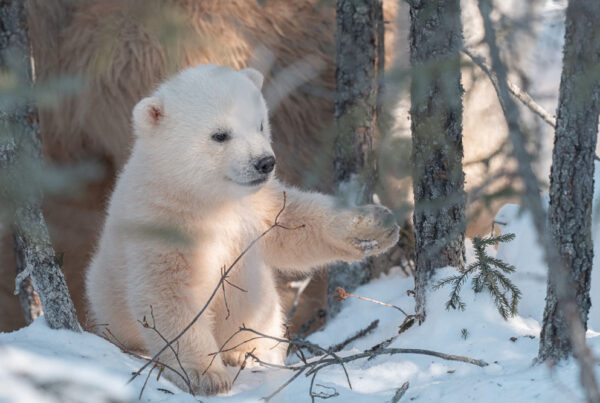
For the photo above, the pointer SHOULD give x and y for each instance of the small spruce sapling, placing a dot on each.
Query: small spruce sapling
(489, 273)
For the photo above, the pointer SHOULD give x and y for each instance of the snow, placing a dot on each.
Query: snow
(44, 365)
(88, 368)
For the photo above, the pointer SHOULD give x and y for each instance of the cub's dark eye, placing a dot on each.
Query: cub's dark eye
(261, 126)
(220, 136)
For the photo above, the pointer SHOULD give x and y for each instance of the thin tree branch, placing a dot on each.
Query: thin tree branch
(249, 354)
(341, 294)
(109, 336)
(361, 333)
(329, 357)
(517, 92)
(145, 324)
(400, 392)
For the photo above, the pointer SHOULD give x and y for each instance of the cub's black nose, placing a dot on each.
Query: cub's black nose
(265, 164)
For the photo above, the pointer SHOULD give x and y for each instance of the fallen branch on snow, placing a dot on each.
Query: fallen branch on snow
(329, 357)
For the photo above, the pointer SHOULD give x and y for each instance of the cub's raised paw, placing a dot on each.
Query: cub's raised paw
(369, 230)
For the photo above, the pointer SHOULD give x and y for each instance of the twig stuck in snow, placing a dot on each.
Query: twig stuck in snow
(248, 355)
(175, 352)
(400, 392)
(146, 380)
(109, 336)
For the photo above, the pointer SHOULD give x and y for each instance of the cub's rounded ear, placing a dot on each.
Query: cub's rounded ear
(255, 76)
(148, 114)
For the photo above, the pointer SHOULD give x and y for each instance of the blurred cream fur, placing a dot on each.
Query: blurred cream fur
(178, 177)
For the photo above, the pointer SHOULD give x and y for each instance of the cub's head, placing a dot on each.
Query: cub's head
(206, 130)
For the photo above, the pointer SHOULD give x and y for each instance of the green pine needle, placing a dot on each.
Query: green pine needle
(488, 273)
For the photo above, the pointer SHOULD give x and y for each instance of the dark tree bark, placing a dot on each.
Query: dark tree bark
(532, 201)
(20, 163)
(359, 65)
(437, 151)
(572, 174)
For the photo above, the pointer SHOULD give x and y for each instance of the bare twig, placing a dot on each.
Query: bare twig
(249, 354)
(357, 335)
(328, 357)
(286, 383)
(392, 351)
(111, 338)
(146, 381)
(224, 295)
(517, 92)
(235, 286)
(306, 344)
(400, 392)
(145, 324)
(341, 294)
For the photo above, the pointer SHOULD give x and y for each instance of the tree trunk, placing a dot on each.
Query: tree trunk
(21, 168)
(572, 174)
(437, 151)
(532, 201)
(359, 49)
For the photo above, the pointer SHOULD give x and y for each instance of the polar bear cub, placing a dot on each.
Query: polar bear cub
(198, 188)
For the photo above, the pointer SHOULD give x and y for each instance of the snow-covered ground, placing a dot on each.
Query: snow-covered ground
(42, 365)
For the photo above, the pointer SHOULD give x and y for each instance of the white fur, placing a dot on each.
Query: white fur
(185, 206)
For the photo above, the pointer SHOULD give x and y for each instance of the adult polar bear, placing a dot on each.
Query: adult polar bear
(202, 164)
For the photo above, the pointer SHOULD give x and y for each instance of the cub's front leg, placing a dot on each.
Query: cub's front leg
(318, 231)
(163, 289)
